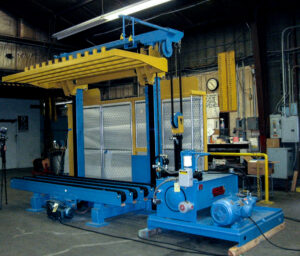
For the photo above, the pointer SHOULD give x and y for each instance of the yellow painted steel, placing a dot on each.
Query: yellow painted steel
(66, 72)
(231, 81)
(222, 73)
(265, 156)
(180, 128)
(227, 79)
(70, 139)
(203, 94)
(106, 77)
(188, 85)
(91, 97)
(141, 150)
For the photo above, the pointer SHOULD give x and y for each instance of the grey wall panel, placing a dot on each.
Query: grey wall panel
(22, 146)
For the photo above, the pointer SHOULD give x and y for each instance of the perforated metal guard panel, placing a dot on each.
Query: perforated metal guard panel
(193, 127)
(117, 141)
(117, 165)
(93, 163)
(108, 135)
(140, 117)
(91, 128)
(92, 142)
(108, 141)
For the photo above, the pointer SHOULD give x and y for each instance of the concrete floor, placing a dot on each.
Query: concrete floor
(26, 233)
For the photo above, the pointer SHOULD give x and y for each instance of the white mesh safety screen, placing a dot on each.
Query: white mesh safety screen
(108, 141)
(92, 142)
(140, 117)
(108, 135)
(193, 127)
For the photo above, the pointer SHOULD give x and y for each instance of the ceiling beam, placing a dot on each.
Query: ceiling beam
(38, 4)
(31, 42)
(75, 6)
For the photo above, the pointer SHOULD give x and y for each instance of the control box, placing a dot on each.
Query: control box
(290, 129)
(284, 160)
(275, 126)
(252, 123)
(186, 177)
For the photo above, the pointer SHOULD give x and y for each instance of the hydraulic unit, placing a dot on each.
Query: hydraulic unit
(208, 205)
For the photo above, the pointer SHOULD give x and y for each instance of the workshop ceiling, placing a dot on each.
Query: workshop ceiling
(55, 15)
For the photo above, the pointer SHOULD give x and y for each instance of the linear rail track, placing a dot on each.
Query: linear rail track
(143, 186)
(81, 182)
(121, 193)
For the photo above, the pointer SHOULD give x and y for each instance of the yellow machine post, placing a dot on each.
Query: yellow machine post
(265, 156)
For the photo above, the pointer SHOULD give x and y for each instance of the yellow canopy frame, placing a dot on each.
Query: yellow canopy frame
(70, 74)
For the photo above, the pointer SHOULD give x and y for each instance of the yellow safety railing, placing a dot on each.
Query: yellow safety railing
(265, 156)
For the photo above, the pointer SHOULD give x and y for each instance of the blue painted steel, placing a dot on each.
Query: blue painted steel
(147, 121)
(230, 213)
(195, 155)
(165, 37)
(97, 184)
(63, 192)
(232, 210)
(37, 201)
(266, 217)
(100, 212)
(200, 194)
(157, 116)
(80, 134)
(97, 214)
(140, 165)
(129, 198)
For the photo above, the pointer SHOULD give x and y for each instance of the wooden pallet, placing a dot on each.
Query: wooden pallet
(235, 251)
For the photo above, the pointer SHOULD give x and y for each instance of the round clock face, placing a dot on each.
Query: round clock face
(212, 84)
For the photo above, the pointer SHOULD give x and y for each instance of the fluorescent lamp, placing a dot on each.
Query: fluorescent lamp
(130, 9)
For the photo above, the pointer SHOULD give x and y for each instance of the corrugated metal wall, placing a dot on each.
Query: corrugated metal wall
(200, 48)
(22, 55)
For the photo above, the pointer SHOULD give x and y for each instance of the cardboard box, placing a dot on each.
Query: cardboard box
(253, 165)
(273, 143)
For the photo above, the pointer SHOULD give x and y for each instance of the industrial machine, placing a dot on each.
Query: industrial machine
(187, 198)
(208, 204)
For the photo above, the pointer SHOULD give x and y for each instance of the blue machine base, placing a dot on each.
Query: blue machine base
(265, 217)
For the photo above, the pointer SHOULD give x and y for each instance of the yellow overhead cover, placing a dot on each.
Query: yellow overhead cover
(91, 68)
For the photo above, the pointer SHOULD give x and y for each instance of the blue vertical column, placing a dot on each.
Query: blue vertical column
(147, 120)
(157, 116)
(80, 134)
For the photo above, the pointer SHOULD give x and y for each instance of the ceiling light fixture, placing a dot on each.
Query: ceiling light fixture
(127, 10)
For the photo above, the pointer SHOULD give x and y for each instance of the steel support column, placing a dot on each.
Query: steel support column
(157, 116)
(260, 76)
(80, 134)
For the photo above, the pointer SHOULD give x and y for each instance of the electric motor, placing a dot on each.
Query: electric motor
(58, 210)
(230, 210)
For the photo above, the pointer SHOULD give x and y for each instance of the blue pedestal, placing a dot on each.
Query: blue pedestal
(266, 218)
